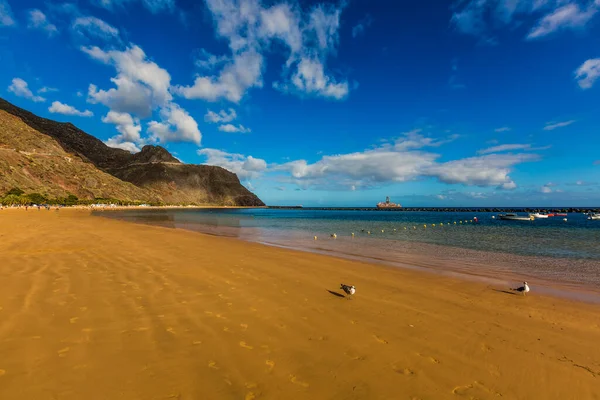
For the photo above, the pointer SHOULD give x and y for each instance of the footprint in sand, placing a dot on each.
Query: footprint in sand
(73, 320)
(250, 396)
(83, 308)
(476, 390)
(244, 326)
(226, 329)
(270, 364)
(213, 365)
(380, 340)
(63, 352)
(244, 345)
(171, 330)
(197, 342)
(295, 381)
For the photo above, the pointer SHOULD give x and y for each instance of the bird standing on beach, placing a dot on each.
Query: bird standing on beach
(523, 289)
(348, 289)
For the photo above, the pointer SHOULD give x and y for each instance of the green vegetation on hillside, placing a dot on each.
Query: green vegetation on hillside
(16, 196)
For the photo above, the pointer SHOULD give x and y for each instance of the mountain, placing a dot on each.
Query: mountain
(53, 158)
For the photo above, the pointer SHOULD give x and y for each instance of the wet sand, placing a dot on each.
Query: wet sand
(102, 309)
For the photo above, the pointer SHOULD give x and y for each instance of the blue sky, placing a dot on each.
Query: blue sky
(457, 103)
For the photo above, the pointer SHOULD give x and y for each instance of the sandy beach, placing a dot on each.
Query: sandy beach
(93, 308)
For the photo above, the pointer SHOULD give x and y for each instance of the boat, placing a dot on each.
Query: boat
(539, 215)
(561, 214)
(594, 216)
(515, 217)
(387, 204)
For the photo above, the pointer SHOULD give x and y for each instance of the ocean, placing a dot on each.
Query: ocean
(473, 243)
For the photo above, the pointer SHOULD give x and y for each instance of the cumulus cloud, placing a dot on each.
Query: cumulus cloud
(550, 126)
(176, 126)
(6, 15)
(251, 30)
(141, 85)
(363, 24)
(546, 189)
(20, 88)
(208, 61)
(587, 73)
(60, 108)
(403, 160)
(222, 116)
(129, 129)
(38, 20)
(234, 129)
(245, 167)
(95, 27)
(502, 129)
(482, 18)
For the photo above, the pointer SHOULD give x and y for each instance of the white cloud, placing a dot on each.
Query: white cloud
(502, 129)
(59, 108)
(177, 126)
(96, 27)
(568, 16)
(587, 73)
(546, 189)
(234, 129)
(128, 126)
(310, 78)
(222, 116)
(141, 85)
(363, 24)
(129, 146)
(245, 167)
(505, 147)
(252, 30)
(401, 161)
(483, 18)
(486, 170)
(208, 61)
(20, 88)
(154, 6)
(47, 89)
(6, 15)
(38, 20)
(235, 79)
(555, 125)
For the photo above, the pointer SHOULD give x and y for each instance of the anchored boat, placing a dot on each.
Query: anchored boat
(387, 204)
(515, 217)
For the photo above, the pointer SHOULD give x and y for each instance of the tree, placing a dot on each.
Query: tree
(16, 191)
(13, 200)
(71, 200)
(36, 198)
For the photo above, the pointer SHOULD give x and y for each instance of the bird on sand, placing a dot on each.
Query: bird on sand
(523, 289)
(348, 289)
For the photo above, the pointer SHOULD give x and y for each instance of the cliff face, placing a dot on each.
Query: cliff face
(150, 175)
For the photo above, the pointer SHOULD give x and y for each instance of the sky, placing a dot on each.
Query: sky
(334, 103)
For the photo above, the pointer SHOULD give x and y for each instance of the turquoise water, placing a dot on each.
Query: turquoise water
(577, 238)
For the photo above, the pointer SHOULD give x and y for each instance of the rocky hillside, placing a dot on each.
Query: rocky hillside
(45, 156)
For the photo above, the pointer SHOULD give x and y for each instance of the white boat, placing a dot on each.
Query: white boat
(594, 216)
(539, 215)
(515, 217)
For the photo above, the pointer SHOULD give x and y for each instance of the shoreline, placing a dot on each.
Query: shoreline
(468, 264)
(155, 313)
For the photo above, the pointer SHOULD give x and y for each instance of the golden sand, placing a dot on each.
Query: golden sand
(92, 308)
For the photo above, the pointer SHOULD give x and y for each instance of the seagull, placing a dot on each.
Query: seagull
(523, 289)
(348, 289)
